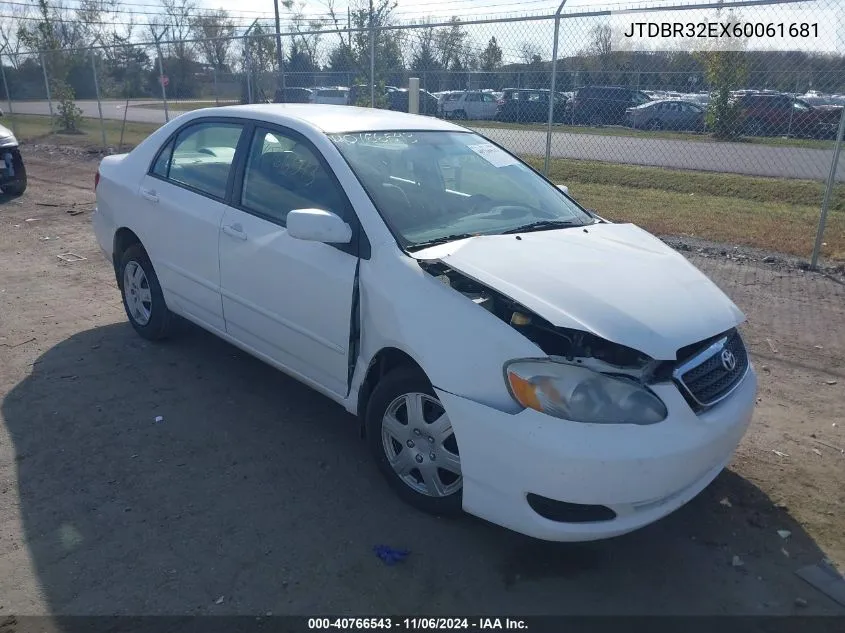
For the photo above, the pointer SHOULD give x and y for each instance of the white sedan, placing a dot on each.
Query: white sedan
(508, 353)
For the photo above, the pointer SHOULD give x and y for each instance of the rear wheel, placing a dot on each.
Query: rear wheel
(411, 438)
(142, 296)
(654, 124)
(461, 115)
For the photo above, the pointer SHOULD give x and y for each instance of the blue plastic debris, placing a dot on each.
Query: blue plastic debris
(389, 555)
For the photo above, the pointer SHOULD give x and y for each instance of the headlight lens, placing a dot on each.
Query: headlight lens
(582, 395)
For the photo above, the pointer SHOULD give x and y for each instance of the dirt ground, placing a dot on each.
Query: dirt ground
(255, 495)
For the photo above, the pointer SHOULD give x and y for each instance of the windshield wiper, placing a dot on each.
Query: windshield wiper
(541, 225)
(441, 240)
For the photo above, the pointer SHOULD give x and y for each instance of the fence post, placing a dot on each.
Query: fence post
(414, 95)
(828, 191)
(372, 60)
(248, 69)
(216, 95)
(8, 96)
(552, 92)
(99, 103)
(47, 87)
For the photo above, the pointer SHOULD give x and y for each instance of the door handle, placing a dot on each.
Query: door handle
(149, 194)
(234, 230)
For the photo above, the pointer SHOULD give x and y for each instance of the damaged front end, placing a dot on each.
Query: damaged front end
(560, 343)
(587, 378)
(12, 170)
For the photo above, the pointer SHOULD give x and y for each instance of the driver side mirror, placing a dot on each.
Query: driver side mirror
(564, 189)
(316, 225)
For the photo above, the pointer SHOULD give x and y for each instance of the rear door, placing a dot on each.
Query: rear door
(182, 199)
(288, 299)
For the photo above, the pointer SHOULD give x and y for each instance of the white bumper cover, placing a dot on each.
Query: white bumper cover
(642, 473)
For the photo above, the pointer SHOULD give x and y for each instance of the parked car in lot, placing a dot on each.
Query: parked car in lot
(508, 352)
(12, 169)
(470, 104)
(666, 114)
(604, 105)
(293, 95)
(331, 96)
(774, 114)
(398, 100)
(530, 105)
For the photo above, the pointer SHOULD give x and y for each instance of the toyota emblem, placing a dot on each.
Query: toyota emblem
(728, 359)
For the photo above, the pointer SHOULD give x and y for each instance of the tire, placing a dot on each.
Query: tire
(19, 186)
(142, 297)
(434, 490)
(460, 115)
(654, 124)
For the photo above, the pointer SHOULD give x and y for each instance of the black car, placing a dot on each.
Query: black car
(398, 100)
(293, 95)
(12, 170)
(529, 105)
(604, 105)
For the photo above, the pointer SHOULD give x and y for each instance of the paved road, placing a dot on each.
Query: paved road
(754, 160)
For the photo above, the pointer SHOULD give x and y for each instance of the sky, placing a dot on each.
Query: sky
(515, 35)
(830, 14)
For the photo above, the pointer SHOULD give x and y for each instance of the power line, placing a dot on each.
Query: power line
(306, 16)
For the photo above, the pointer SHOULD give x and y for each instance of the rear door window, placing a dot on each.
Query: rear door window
(201, 157)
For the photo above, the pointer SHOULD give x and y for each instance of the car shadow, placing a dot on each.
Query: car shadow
(188, 478)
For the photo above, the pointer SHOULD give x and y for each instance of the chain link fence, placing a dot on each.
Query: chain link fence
(729, 139)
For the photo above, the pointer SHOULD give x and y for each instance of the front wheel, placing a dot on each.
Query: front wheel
(461, 115)
(411, 438)
(17, 187)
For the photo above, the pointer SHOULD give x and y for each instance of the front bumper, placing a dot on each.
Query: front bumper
(11, 165)
(642, 473)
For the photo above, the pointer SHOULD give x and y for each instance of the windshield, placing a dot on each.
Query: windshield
(436, 186)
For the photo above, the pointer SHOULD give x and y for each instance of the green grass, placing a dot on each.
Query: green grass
(662, 134)
(780, 215)
(35, 128)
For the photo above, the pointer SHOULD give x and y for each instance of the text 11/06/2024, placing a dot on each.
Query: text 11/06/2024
(417, 624)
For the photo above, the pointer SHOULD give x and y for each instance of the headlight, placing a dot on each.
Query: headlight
(581, 394)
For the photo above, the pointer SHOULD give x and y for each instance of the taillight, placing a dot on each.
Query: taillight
(96, 179)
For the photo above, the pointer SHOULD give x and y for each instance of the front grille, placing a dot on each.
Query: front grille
(708, 376)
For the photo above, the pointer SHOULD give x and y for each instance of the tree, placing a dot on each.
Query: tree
(306, 31)
(214, 30)
(725, 70)
(449, 42)
(59, 37)
(178, 17)
(601, 45)
(354, 49)
(491, 57)
(423, 56)
(13, 16)
(530, 53)
(301, 66)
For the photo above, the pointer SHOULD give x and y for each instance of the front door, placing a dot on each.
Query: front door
(288, 299)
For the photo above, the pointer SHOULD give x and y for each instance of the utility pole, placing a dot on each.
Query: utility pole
(280, 58)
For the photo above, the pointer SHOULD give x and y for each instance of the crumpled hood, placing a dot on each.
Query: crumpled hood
(614, 280)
